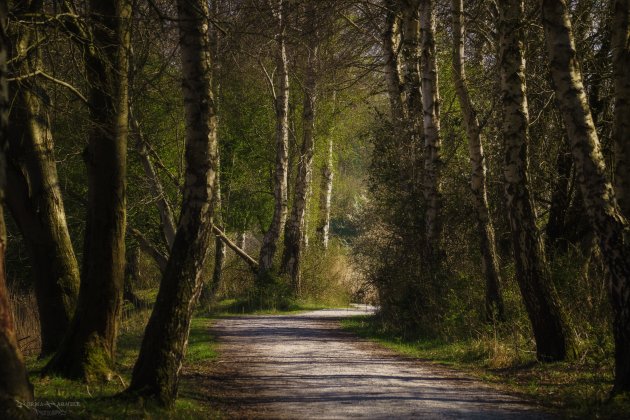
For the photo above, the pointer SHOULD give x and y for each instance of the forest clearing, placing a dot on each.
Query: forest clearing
(193, 192)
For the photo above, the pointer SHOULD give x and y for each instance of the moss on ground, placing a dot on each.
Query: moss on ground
(575, 389)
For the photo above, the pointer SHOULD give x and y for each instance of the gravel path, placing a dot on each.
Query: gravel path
(305, 367)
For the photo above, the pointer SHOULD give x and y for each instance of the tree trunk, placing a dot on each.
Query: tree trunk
(156, 372)
(607, 220)
(489, 260)
(555, 238)
(432, 142)
(270, 240)
(392, 66)
(295, 227)
(161, 201)
(88, 349)
(212, 286)
(34, 197)
(133, 275)
(621, 75)
(325, 196)
(531, 271)
(14, 385)
(412, 81)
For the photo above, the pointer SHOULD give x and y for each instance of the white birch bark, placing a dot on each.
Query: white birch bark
(281, 100)
(296, 225)
(431, 109)
(607, 220)
(531, 271)
(325, 196)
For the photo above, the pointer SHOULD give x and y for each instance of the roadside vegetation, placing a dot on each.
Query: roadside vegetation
(64, 398)
(505, 359)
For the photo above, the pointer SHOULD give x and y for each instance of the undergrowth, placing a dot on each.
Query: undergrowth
(55, 396)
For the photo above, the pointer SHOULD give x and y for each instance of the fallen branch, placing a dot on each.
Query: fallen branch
(162, 259)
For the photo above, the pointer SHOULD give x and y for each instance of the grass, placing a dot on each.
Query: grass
(575, 389)
(74, 399)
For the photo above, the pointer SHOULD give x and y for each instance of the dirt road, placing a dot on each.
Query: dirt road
(305, 367)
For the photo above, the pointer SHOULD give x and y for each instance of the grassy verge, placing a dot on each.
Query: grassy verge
(74, 399)
(576, 389)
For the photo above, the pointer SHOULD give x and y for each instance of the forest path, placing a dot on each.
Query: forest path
(305, 367)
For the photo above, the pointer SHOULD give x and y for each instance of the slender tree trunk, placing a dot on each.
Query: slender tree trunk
(325, 196)
(161, 201)
(489, 260)
(88, 348)
(296, 225)
(432, 142)
(555, 238)
(14, 384)
(132, 274)
(392, 66)
(211, 287)
(34, 197)
(270, 240)
(412, 81)
(531, 271)
(411, 136)
(156, 372)
(219, 245)
(606, 218)
(241, 239)
(621, 74)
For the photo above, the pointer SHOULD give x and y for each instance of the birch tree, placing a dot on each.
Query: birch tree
(489, 262)
(391, 40)
(296, 224)
(531, 271)
(156, 372)
(432, 141)
(325, 195)
(281, 102)
(607, 220)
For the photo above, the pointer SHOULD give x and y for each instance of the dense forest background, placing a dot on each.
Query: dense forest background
(461, 164)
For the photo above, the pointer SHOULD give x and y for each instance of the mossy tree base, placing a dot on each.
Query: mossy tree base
(90, 361)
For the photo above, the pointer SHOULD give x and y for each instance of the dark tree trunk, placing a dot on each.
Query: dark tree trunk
(391, 42)
(432, 139)
(132, 276)
(34, 197)
(14, 384)
(156, 372)
(606, 218)
(487, 246)
(621, 75)
(556, 238)
(532, 272)
(88, 349)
